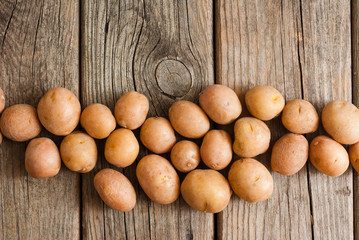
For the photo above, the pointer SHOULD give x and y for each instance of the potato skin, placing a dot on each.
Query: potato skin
(157, 135)
(185, 156)
(2, 100)
(188, 119)
(131, 110)
(354, 156)
(251, 137)
(121, 148)
(20, 123)
(42, 158)
(158, 179)
(289, 154)
(115, 190)
(250, 180)
(220, 103)
(299, 116)
(206, 190)
(1, 138)
(328, 156)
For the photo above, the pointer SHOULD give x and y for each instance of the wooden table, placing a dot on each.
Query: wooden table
(171, 50)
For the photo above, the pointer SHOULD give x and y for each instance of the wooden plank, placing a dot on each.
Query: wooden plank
(38, 51)
(161, 49)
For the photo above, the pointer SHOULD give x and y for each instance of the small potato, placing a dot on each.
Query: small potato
(299, 116)
(59, 111)
(341, 121)
(20, 123)
(115, 190)
(42, 158)
(354, 156)
(264, 102)
(216, 149)
(185, 156)
(0, 138)
(220, 103)
(250, 180)
(188, 119)
(2, 100)
(158, 179)
(206, 190)
(131, 110)
(289, 154)
(251, 137)
(328, 156)
(158, 135)
(79, 152)
(121, 148)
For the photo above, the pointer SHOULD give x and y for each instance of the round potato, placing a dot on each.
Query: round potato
(250, 180)
(157, 135)
(121, 148)
(158, 179)
(0, 138)
(289, 154)
(188, 119)
(299, 116)
(59, 111)
(264, 102)
(251, 137)
(131, 110)
(115, 190)
(42, 158)
(2, 100)
(79, 152)
(354, 156)
(328, 156)
(20, 123)
(206, 190)
(341, 121)
(220, 103)
(185, 156)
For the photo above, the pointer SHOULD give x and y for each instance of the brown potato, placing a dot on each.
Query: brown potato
(289, 154)
(131, 110)
(354, 156)
(115, 190)
(121, 148)
(59, 111)
(20, 123)
(0, 138)
(157, 135)
(158, 179)
(299, 116)
(250, 180)
(206, 190)
(79, 152)
(185, 156)
(328, 156)
(251, 137)
(188, 119)
(98, 121)
(42, 158)
(220, 103)
(2, 100)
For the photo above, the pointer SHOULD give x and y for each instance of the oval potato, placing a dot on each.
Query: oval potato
(354, 156)
(185, 156)
(2, 100)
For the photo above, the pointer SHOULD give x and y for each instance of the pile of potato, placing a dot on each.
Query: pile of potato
(207, 190)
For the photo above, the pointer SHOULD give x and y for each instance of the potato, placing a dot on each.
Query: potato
(98, 121)
(250, 180)
(354, 156)
(79, 152)
(42, 158)
(59, 111)
(299, 116)
(206, 190)
(158, 179)
(251, 137)
(220, 103)
(2, 100)
(185, 156)
(0, 138)
(328, 156)
(188, 119)
(341, 121)
(157, 135)
(289, 154)
(121, 148)
(131, 110)
(115, 190)
(264, 102)
(20, 123)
